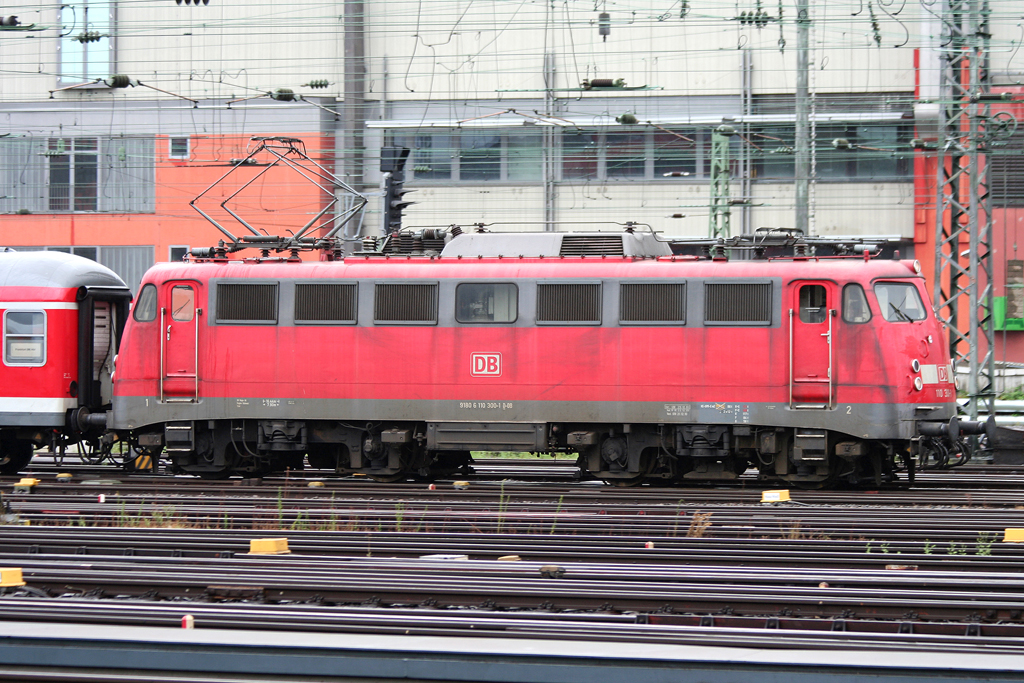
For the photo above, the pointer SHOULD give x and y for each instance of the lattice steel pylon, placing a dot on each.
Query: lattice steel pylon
(720, 213)
(962, 201)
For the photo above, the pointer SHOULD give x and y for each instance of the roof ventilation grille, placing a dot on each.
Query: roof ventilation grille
(591, 245)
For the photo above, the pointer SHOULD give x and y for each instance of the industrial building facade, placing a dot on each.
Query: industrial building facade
(519, 116)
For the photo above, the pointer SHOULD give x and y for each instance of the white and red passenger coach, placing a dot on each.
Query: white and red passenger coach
(62, 316)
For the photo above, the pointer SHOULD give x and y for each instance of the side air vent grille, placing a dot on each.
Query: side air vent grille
(249, 303)
(414, 303)
(591, 245)
(327, 302)
(727, 303)
(654, 302)
(569, 303)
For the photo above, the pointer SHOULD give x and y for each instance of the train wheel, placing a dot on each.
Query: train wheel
(14, 456)
(215, 475)
(624, 483)
(646, 465)
(389, 478)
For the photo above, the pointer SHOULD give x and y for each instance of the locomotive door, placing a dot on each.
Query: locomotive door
(811, 336)
(179, 342)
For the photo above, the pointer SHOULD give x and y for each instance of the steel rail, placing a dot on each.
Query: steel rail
(773, 633)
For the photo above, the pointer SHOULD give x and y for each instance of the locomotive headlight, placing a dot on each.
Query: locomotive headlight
(956, 383)
(918, 383)
(917, 267)
(915, 365)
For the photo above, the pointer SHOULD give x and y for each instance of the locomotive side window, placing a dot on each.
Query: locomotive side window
(575, 303)
(246, 303)
(899, 302)
(813, 304)
(737, 303)
(405, 303)
(25, 338)
(486, 302)
(183, 303)
(652, 302)
(145, 306)
(325, 303)
(855, 304)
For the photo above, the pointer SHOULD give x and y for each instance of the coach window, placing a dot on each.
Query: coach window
(855, 304)
(812, 304)
(145, 306)
(25, 338)
(899, 302)
(486, 303)
(183, 303)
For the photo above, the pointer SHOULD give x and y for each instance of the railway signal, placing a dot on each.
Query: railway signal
(392, 165)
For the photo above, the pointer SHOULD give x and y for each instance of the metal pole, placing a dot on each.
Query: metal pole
(802, 133)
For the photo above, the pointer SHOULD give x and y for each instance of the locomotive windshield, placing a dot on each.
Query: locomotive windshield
(899, 302)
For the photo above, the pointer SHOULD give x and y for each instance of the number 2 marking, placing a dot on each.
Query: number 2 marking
(849, 410)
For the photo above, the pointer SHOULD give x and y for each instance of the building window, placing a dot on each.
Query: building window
(480, 156)
(177, 253)
(73, 173)
(474, 156)
(675, 152)
(626, 155)
(108, 174)
(842, 152)
(179, 148)
(86, 50)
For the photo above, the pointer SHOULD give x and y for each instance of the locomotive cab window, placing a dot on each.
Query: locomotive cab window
(145, 306)
(183, 303)
(855, 304)
(25, 338)
(486, 302)
(813, 304)
(899, 302)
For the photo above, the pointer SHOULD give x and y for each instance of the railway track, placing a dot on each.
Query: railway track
(920, 570)
(672, 594)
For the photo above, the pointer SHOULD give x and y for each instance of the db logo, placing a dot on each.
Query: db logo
(485, 364)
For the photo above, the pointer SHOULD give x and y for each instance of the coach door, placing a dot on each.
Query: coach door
(812, 334)
(179, 341)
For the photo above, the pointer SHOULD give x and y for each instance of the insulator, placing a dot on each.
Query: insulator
(88, 37)
(119, 81)
(604, 25)
(602, 83)
(282, 95)
(317, 84)
(9, 21)
(684, 8)
(626, 119)
(455, 230)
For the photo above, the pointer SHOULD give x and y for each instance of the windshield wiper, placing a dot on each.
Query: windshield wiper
(900, 313)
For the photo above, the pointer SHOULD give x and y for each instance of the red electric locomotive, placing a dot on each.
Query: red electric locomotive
(651, 366)
(62, 317)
